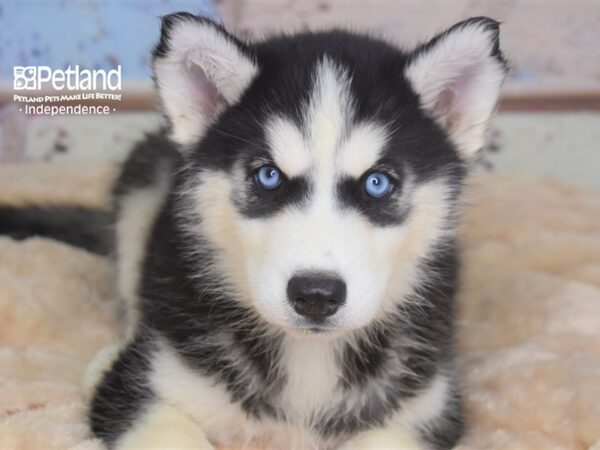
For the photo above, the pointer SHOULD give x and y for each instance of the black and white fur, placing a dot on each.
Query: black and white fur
(215, 354)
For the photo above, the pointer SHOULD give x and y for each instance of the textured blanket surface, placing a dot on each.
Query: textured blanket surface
(529, 322)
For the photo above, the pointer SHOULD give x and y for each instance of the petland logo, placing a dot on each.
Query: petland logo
(36, 78)
(71, 91)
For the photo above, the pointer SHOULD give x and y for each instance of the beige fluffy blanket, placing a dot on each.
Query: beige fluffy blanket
(529, 322)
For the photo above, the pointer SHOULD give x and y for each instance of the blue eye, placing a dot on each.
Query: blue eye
(269, 177)
(378, 185)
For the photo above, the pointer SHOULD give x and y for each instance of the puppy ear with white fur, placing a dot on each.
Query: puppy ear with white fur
(458, 75)
(199, 69)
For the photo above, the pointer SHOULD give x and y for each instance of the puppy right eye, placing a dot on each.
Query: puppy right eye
(269, 177)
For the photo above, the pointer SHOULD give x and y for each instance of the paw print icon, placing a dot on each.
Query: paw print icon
(24, 78)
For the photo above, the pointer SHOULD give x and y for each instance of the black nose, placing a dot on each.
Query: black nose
(316, 295)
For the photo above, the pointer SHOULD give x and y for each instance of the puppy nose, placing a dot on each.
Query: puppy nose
(316, 295)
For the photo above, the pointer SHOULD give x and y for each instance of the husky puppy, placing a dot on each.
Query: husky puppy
(288, 256)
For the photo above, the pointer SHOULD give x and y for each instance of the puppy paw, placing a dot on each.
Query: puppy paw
(382, 440)
(164, 427)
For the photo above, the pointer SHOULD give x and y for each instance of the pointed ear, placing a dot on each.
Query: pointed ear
(199, 69)
(458, 76)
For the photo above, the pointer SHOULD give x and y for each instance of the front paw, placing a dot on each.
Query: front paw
(382, 440)
(164, 427)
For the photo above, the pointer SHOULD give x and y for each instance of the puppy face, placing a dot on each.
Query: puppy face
(333, 170)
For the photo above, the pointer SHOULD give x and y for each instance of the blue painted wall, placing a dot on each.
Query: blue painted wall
(92, 33)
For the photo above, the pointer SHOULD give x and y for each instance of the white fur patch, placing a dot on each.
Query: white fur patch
(312, 375)
(459, 83)
(328, 118)
(290, 151)
(362, 149)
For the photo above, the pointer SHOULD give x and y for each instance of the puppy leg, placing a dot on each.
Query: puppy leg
(164, 426)
(127, 414)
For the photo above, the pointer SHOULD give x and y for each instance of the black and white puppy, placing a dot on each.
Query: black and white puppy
(289, 265)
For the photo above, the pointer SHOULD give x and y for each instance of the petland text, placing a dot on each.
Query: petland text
(35, 78)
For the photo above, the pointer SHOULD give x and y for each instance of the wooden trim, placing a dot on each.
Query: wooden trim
(551, 101)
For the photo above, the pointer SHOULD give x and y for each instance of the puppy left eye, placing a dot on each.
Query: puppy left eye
(377, 185)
